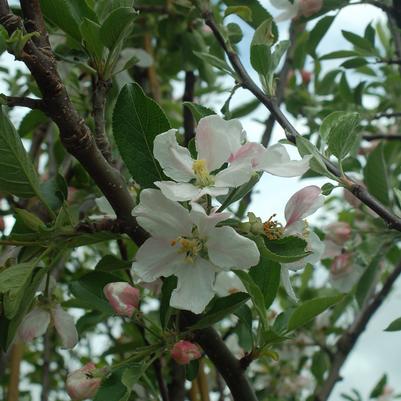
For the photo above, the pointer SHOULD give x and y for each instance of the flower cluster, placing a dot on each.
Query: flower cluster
(189, 238)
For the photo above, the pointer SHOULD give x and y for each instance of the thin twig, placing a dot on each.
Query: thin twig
(189, 91)
(47, 352)
(13, 101)
(347, 341)
(382, 136)
(291, 133)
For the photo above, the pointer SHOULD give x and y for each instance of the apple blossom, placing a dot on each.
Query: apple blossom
(337, 234)
(183, 352)
(290, 10)
(223, 161)
(37, 321)
(189, 246)
(85, 382)
(344, 272)
(123, 298)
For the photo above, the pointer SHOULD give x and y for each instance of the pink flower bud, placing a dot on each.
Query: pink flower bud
(303, 203)
(339, 232)
(84, 383)
(309, 7)
(122, 297)
(184, 352)
(341, 265)
(306, 76)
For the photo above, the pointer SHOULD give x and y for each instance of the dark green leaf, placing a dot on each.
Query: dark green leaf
(378, 389)
(395, 325)
(317, 33)
(137, 120)
(198, 111)
(169, 284)
(358, 41)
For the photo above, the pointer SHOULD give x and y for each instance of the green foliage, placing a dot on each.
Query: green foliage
(137, 119)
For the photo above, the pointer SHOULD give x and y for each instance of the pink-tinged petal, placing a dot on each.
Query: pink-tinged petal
(175, 160)
(303, 203)
(183, 352)
(286, 281)
(276, 160)
(179, 191)
(65, 326)
(162, 217)
(34, 325)
(331, 249)
(234, 176)
(216, 139)
(194, 286)
(309, 7)
(344, 272)
(123, 298)
(227, 249)
(83, 383)
(338, 232)
(204, 222)
(156, 258)
(249, 152)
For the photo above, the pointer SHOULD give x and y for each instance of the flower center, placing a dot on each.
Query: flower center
(191, 247)
(203, 177)
(273, 229)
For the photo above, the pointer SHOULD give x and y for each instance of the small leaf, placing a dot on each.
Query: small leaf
(358, 41)
(243, 12)
(90, 32)
(318, 32)
(117, 26)
(216, 62)
(199, 111)
(305, 312)
(220, 308)
(395, 325)
(137, 120)
(339, 54)
(354, 62)
(378, 389)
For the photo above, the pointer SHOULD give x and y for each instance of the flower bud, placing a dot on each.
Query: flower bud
(338, 232)
(306, 76)
(344, 272)
(309, 7)
(123, 298)
(34, 325)
(84, 383)
(184, 352)
(341, 265)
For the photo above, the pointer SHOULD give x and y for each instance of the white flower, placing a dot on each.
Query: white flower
(301, 205)
(228, 283)
(289, 10)
(189, 246)
(37, 321)
(219, 143)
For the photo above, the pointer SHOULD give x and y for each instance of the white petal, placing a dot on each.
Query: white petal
(194, 287)
(228, 249)
(213, 191)
(331, 249)
(104, 206)
(276, 160)
(65, 326)
(228, 283)
(286, 15)
(180, 192)
(303, 203)
(216, 139)
(156, 258)
(234, 176)
(162, 217)
(34, 325)
(175, 160)
(204, 222)
(285, 279)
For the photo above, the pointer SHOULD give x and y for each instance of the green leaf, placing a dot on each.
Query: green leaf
(395, 325)
(318, 32)
(358, 41)
(284, 250)
(220, 64)
(111, 263)
(90, 32)
(256, 295)
(308, 310)
(342, 137)
(137, 120)
(117, 26)
(368, 278)
(112, 388)
(31, 121)
(198, 111)
(259, 13)
(339, 54)
(169, 284)
(354, 62)
(320, 364)
(243, 12)
(89, 291)
(376, 175)
(17, 174)
(67, 15)
(378, 389)
(278, 53)
(266, 274)
(220, 308)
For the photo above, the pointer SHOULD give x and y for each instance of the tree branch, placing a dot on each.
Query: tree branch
(13, 101)
(291, 133)
(347, 341)
(382, 136)
(189, 123)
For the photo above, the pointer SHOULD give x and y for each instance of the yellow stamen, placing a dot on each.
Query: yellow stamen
(273, 229)
(191, 247)
(203, 177)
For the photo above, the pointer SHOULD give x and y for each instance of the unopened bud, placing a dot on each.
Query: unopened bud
(339, 232)
(184, 352)
(123, 298)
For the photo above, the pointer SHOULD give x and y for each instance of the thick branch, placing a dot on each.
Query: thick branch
(189, 123)
(291, 133)
(347, 341)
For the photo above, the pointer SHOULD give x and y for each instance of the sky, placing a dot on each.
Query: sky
(376, 352)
